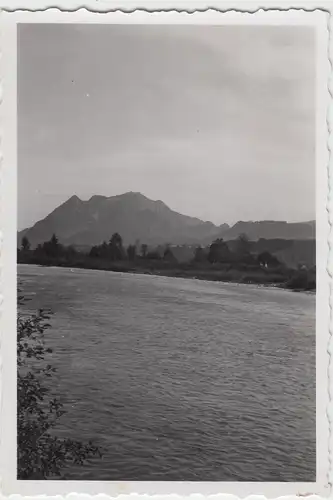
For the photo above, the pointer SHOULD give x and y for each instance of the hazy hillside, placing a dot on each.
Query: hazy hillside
(291, 252)
(136, 217)
(272, 229)
(299, 252)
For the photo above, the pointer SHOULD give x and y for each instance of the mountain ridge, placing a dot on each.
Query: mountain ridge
(136, 217)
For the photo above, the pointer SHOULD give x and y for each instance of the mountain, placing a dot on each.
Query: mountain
(132, 215)
(136, 217)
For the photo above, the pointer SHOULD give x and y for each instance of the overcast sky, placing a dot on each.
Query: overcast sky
(218, 122)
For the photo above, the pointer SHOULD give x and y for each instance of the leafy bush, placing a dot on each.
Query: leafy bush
(40, 454)
(302, 280)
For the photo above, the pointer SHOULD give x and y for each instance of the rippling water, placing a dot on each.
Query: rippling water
(180, 379)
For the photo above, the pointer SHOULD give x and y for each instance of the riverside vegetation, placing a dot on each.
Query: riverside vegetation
(40, 453)
(221, 261)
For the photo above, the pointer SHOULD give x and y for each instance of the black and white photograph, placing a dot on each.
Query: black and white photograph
(167, 247)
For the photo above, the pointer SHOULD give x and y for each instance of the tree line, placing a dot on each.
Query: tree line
(113, 250)
(239, 251)
(218, 252)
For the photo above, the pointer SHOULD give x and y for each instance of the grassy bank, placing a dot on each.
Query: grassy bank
(280, 276)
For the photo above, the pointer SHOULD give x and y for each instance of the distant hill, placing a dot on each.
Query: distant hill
(272, 230)
(136, 217)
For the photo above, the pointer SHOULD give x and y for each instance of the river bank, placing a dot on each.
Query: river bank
(278, 277)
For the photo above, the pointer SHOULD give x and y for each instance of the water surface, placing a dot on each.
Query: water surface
(179, 379)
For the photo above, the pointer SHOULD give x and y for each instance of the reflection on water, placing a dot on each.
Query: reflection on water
(181, 379)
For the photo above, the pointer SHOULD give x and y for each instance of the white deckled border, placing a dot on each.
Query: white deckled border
(330, 253)
(159, 490)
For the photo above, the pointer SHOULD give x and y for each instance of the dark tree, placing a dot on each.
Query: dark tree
(199, 255)
(144, 249)
(95, 251)
(131, 252)
(219, 252)
(168, 255)
(302, 279)
(243, 246)
(38, 250)
(25, 245)
(116, 251)
(54, 240)
(52, 248)
(104, 250)
(267, 259)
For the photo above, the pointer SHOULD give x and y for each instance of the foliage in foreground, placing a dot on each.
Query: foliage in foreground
(40, 454)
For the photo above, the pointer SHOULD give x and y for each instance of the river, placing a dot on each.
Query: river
(179, 379)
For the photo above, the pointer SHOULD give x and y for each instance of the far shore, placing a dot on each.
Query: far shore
(267, 278)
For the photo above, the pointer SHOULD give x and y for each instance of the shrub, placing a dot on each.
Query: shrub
(302, 280)
(40, 454)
